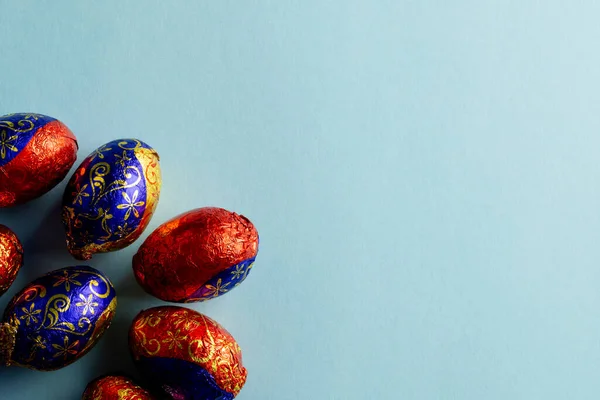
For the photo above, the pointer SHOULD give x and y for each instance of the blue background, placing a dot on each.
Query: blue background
(424, 176)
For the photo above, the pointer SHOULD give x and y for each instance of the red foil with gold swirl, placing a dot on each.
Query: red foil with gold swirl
(186, 354)
(11, 258)
(196, 256)
(36, 153)
(115, 387)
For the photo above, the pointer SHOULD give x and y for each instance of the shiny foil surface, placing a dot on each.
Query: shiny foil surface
(57, 318)
(196, 256)
(186, 354)
(36, 153)
(11, 258)
(111, 198)
(115, 387)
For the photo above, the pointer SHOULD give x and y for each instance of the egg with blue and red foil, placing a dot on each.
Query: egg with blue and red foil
(11, 258)
(186, 354)
(36, 153)
(57, 318)
(196, 256)
(115, 387)
(111, 197)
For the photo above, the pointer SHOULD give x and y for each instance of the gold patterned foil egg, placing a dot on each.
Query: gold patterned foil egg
(57, 318)
(111, 198)
(186, 355)
(115, 387)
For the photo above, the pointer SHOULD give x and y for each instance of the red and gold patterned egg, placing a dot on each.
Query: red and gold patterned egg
(115, 387)
(186, 354)
(196, 256)
(11, 258)
(36, 153)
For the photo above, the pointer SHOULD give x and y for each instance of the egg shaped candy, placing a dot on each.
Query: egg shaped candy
(197, 255)
(111, 197)
(186, 354)
(57, 318)
(36, 153)
(115, 387)
(11, 258)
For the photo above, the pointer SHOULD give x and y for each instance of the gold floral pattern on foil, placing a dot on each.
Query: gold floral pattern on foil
(50, 317)
(203, 342)
(92, 185)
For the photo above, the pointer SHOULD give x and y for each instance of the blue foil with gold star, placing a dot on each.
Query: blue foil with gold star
(16, 131)
(58, 318)
(223, 282)
(111, 197)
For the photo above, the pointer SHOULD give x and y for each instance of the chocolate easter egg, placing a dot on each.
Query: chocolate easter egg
(186, 354)
(36, 153)
(111, 197)
(196, 256)
(11, 258)
(57, 318)
(115, 387)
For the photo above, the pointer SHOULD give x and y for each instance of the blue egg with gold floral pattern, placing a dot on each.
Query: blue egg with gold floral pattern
(57, 318)
(111, 197)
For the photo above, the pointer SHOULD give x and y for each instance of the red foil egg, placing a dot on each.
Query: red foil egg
(115, 387)
(196, 256)
(36, 153)
(186, 354)
(11, 258)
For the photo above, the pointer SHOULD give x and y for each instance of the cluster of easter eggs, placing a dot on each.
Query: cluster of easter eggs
(107, 204)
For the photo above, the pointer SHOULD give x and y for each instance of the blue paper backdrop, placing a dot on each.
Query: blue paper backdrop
(424, 176)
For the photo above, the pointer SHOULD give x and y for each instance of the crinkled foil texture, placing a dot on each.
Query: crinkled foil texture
(11, 258)
(115, 387)
(58, 318)
(196, 256)
(186, 354)
(36, 153)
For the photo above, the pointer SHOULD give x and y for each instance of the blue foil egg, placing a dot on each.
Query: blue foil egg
(57, 318)
(111, 197)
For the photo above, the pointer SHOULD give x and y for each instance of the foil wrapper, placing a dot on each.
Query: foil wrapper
(186, 355)
(111, 198)
(196, 256)
(36, 153)
(57, 319)
(115, 387)
(11, 258)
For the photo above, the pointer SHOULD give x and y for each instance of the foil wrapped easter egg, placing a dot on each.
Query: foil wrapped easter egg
(57, 318)
(11, 258)
(115, 387)
(186, 354)
(111, 197)
(196, 256)
(36, 153)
